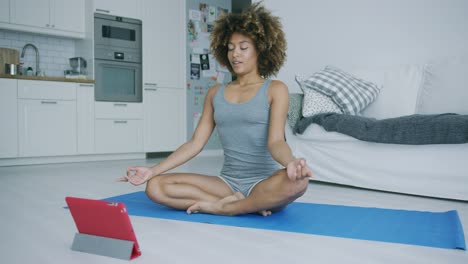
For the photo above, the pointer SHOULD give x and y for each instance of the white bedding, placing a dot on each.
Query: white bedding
(428, 170)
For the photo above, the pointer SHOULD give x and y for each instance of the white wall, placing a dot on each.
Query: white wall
(361, 33)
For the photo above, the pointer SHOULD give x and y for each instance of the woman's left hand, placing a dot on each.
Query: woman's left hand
(298, 169)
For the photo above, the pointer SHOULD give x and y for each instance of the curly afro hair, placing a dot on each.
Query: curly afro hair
(262, 27)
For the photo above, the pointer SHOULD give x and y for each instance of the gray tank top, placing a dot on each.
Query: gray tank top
(243, 132)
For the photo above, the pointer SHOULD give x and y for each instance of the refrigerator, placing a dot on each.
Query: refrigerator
(202, 70)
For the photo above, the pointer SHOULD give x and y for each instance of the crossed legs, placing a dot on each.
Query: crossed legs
(181, 190)
(207, 194)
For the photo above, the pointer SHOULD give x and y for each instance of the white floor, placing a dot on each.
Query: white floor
(34, 227)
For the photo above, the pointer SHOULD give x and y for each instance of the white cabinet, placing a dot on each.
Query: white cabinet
(30, 12)
(163, 74)
(68, 15)
(46, 118)
(164, 118)
(85, 118)
(8, 119)
(119, 136)
(163, 47)
(58, 17)
(5, 11)
(124, 8)
(118, 127)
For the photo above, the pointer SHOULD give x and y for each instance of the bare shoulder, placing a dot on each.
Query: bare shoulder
(278, 89)
(212, 91)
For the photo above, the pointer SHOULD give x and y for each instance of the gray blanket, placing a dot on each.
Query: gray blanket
(412, 129)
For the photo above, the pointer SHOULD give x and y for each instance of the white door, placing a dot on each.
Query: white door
(8, 118)
(164, 119)
(163, 50)
(5, 11)
(68, 15)
(30, 13)
(124, 8)
(85, 118)
(47, 127)
(118, 136)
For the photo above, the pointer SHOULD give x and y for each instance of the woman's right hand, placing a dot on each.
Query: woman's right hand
(137, 175)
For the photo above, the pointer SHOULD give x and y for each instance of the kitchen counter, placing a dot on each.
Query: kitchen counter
(45, 78)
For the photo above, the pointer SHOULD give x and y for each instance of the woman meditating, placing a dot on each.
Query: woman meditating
(260, 173)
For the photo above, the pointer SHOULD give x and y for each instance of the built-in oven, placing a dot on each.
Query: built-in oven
(117, 59)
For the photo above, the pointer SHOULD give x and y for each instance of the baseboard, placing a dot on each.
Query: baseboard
(68, 159)
(97, 157)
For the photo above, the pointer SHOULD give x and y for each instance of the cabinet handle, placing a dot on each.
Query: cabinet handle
(86, 85)
(102, 10)
(48, 102)
(120, 122)
(151, 89)
(123, 105)
(151, 84)
(47, 25)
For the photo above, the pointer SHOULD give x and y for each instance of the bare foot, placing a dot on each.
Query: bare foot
(239, 196)
(265, 213)
(214, 207)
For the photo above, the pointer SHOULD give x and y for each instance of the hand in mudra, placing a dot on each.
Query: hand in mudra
(136, 175)
(298, 169)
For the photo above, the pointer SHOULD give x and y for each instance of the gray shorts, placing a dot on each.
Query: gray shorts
(242, 186)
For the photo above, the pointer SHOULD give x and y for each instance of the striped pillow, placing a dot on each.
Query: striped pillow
(350, 93)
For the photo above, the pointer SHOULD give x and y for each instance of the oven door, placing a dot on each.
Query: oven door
(118, 81)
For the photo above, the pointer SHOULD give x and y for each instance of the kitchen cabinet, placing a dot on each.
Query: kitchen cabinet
(5, 11)
(119, 136)
(8, 119)
(118, 127)
(57, 17)
(163, 48)
(46, 118)
(124, 8)
(85, 118)
(164, 118)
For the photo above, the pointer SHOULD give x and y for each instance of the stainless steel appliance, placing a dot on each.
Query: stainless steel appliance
(117, 64)
(78, 68)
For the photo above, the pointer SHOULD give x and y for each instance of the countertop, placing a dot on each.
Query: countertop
(45, 78)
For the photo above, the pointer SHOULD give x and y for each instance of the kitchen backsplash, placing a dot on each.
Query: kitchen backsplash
(54, 51)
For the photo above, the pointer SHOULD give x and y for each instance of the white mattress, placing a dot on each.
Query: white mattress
(428, 170)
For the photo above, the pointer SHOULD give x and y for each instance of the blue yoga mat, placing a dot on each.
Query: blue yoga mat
(431, 229)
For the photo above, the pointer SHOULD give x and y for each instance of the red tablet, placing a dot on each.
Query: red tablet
(102, 218)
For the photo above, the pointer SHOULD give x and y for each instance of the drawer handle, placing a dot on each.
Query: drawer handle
(120, 122)
(151, 84)
(87, 85)
(123, 105)
(48, 102)
(102, 10)
(151, 89)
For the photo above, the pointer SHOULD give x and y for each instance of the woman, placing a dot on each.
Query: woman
(249, 114)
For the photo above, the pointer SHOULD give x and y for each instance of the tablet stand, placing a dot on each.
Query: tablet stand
(104, 246)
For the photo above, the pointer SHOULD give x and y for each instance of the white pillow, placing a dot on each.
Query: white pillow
(400, 86)
(350, 93)
(445, 87)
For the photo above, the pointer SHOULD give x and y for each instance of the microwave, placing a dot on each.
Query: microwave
(118, 32)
